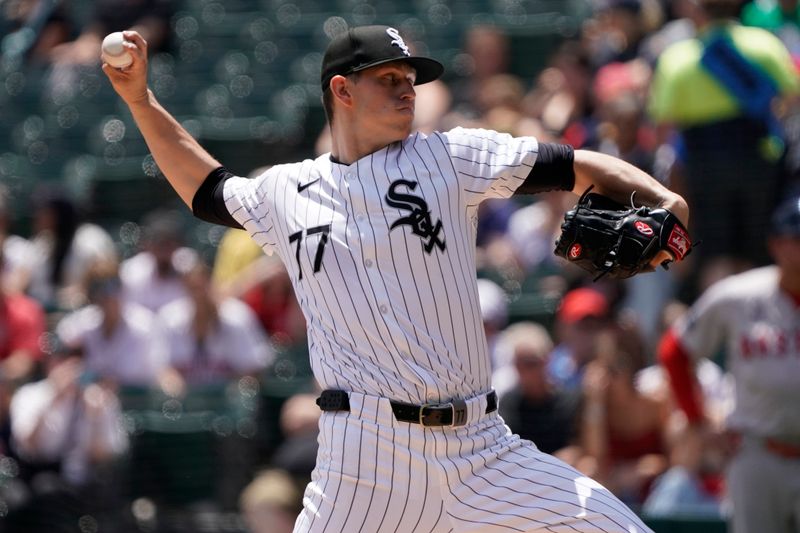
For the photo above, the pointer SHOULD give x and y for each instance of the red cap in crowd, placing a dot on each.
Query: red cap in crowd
(582, 303)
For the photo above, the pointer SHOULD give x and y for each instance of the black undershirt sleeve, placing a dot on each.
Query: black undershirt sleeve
(553, 170)
(209, 203)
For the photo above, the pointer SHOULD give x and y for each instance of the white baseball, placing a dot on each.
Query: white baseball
(113, 51)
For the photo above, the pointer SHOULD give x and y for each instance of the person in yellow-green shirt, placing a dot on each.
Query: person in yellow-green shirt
(718, 91)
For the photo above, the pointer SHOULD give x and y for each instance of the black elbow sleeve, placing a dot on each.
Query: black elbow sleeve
(209, 203)
(553, 170)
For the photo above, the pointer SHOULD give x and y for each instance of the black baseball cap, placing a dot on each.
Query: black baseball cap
(367, 46)
(786, 218)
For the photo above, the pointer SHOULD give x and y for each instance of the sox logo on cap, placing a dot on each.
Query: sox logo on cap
(398, 41)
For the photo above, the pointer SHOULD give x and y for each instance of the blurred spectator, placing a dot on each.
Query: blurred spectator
(271, 502)
(66, 435)
(616, 30)
(753, 317)
(22, 328)
(623, 433)
(121, 341)
(781, 17)
(495, 255)
(65, 422)
(718, 91)
(622, 130)
(583, 315)
(498, 103)
(64, 248)
(693, 485)
(265, 286)
(534, 408)
(212, 340)
(533, 229)
(151, 277)
(685, 16)
(486, 54)
(236, 251)
(561, 96)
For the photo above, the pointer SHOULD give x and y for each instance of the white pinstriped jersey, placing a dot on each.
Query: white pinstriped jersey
(382, 257)
(758, 325)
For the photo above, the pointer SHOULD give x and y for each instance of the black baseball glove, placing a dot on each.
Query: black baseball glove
(607, 238)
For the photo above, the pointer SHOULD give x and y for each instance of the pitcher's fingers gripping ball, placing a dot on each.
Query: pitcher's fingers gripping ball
(607, 238)
(113, 51)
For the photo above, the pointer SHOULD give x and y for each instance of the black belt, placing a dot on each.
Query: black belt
(453, 413)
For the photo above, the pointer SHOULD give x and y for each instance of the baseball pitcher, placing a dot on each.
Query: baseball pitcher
(379, 238)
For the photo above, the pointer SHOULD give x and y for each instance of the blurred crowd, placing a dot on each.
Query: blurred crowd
(115, 367)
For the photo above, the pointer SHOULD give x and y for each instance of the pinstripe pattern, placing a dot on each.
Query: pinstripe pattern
(375, 474)
(408, 324)
(382, 258)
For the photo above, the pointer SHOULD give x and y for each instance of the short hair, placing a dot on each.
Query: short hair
(327, 97)
(327, 104)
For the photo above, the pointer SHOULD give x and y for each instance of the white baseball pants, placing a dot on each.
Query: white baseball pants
(376, 474)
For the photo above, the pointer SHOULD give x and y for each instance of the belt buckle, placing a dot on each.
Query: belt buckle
(458, 413)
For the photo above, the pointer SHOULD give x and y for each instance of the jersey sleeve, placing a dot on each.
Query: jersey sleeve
(490, 164)
(699, 333)
(249, 202)
(702, 330)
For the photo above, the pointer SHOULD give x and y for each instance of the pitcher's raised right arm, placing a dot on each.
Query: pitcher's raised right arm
(178, 155)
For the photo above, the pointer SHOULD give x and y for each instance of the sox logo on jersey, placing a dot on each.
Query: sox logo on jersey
(420, 217)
